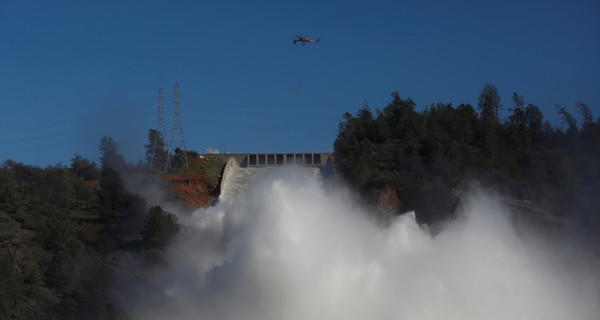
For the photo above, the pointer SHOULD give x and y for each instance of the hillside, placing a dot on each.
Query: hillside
(198, 187)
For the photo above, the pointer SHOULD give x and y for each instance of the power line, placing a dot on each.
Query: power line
(160, 137)
(177, 137)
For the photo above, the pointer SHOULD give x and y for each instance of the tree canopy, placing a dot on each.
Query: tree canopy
(430, 154)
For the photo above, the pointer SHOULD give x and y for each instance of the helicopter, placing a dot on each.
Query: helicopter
(305, 40)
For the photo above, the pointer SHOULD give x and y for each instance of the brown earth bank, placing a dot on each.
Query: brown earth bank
(388, 203)
(196, 187)
(199, 188)
(191, 188)
(195, 191)
(389, 198)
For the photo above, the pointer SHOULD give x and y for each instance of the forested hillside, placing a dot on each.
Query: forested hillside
(67, 233)
(431, 156)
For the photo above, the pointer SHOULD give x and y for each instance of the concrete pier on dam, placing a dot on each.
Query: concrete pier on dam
(242, 167)
(245, 160)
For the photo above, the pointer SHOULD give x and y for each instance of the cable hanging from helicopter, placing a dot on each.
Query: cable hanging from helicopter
(304, 41)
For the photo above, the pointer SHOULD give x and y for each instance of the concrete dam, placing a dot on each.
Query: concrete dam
(244, 160)
(241, 169)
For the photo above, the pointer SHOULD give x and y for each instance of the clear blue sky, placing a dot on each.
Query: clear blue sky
(74, 71)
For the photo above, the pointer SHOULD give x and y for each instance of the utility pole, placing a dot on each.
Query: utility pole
(160, 156)
(177, 139)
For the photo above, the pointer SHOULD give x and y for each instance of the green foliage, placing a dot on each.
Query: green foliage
(489, 104)
(47, 271)
(50, 266)
(159, 227)
(84, 194)
(212, 167)
(8, 183)
(156, 153)
(355, 147)
(181, 158)
(428, 154)
(84, 168)
(586, 113)
(111, 195)
(60, 230)
(109, 154)
(22, 291)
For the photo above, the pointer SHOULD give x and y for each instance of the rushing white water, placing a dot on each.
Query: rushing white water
(285, 249)
(237, 180)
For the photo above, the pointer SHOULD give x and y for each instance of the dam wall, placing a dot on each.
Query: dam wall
(239, 169)
(245, 160)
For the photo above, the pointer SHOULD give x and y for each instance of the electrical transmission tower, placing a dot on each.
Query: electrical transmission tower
(177, 143)
(160, 149)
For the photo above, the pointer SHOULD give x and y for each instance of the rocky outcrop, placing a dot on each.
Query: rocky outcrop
(388, 202)
(389, 198)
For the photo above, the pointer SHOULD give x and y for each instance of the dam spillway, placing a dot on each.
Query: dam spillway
(237, 179)
(310, 159)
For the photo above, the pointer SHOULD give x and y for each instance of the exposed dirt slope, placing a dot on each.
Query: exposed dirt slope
(196, 188)
(192, 189)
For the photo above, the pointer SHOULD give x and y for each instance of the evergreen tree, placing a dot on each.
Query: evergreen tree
(489, 105)
(156, 153)
(111, 195)
(159, 227)
(84, 168)
(109, 154)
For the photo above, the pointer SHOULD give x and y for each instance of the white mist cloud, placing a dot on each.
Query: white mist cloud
(287, 249)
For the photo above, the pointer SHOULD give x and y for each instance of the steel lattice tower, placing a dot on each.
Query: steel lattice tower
(177, 138)
(162, 133)
(161, 115)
